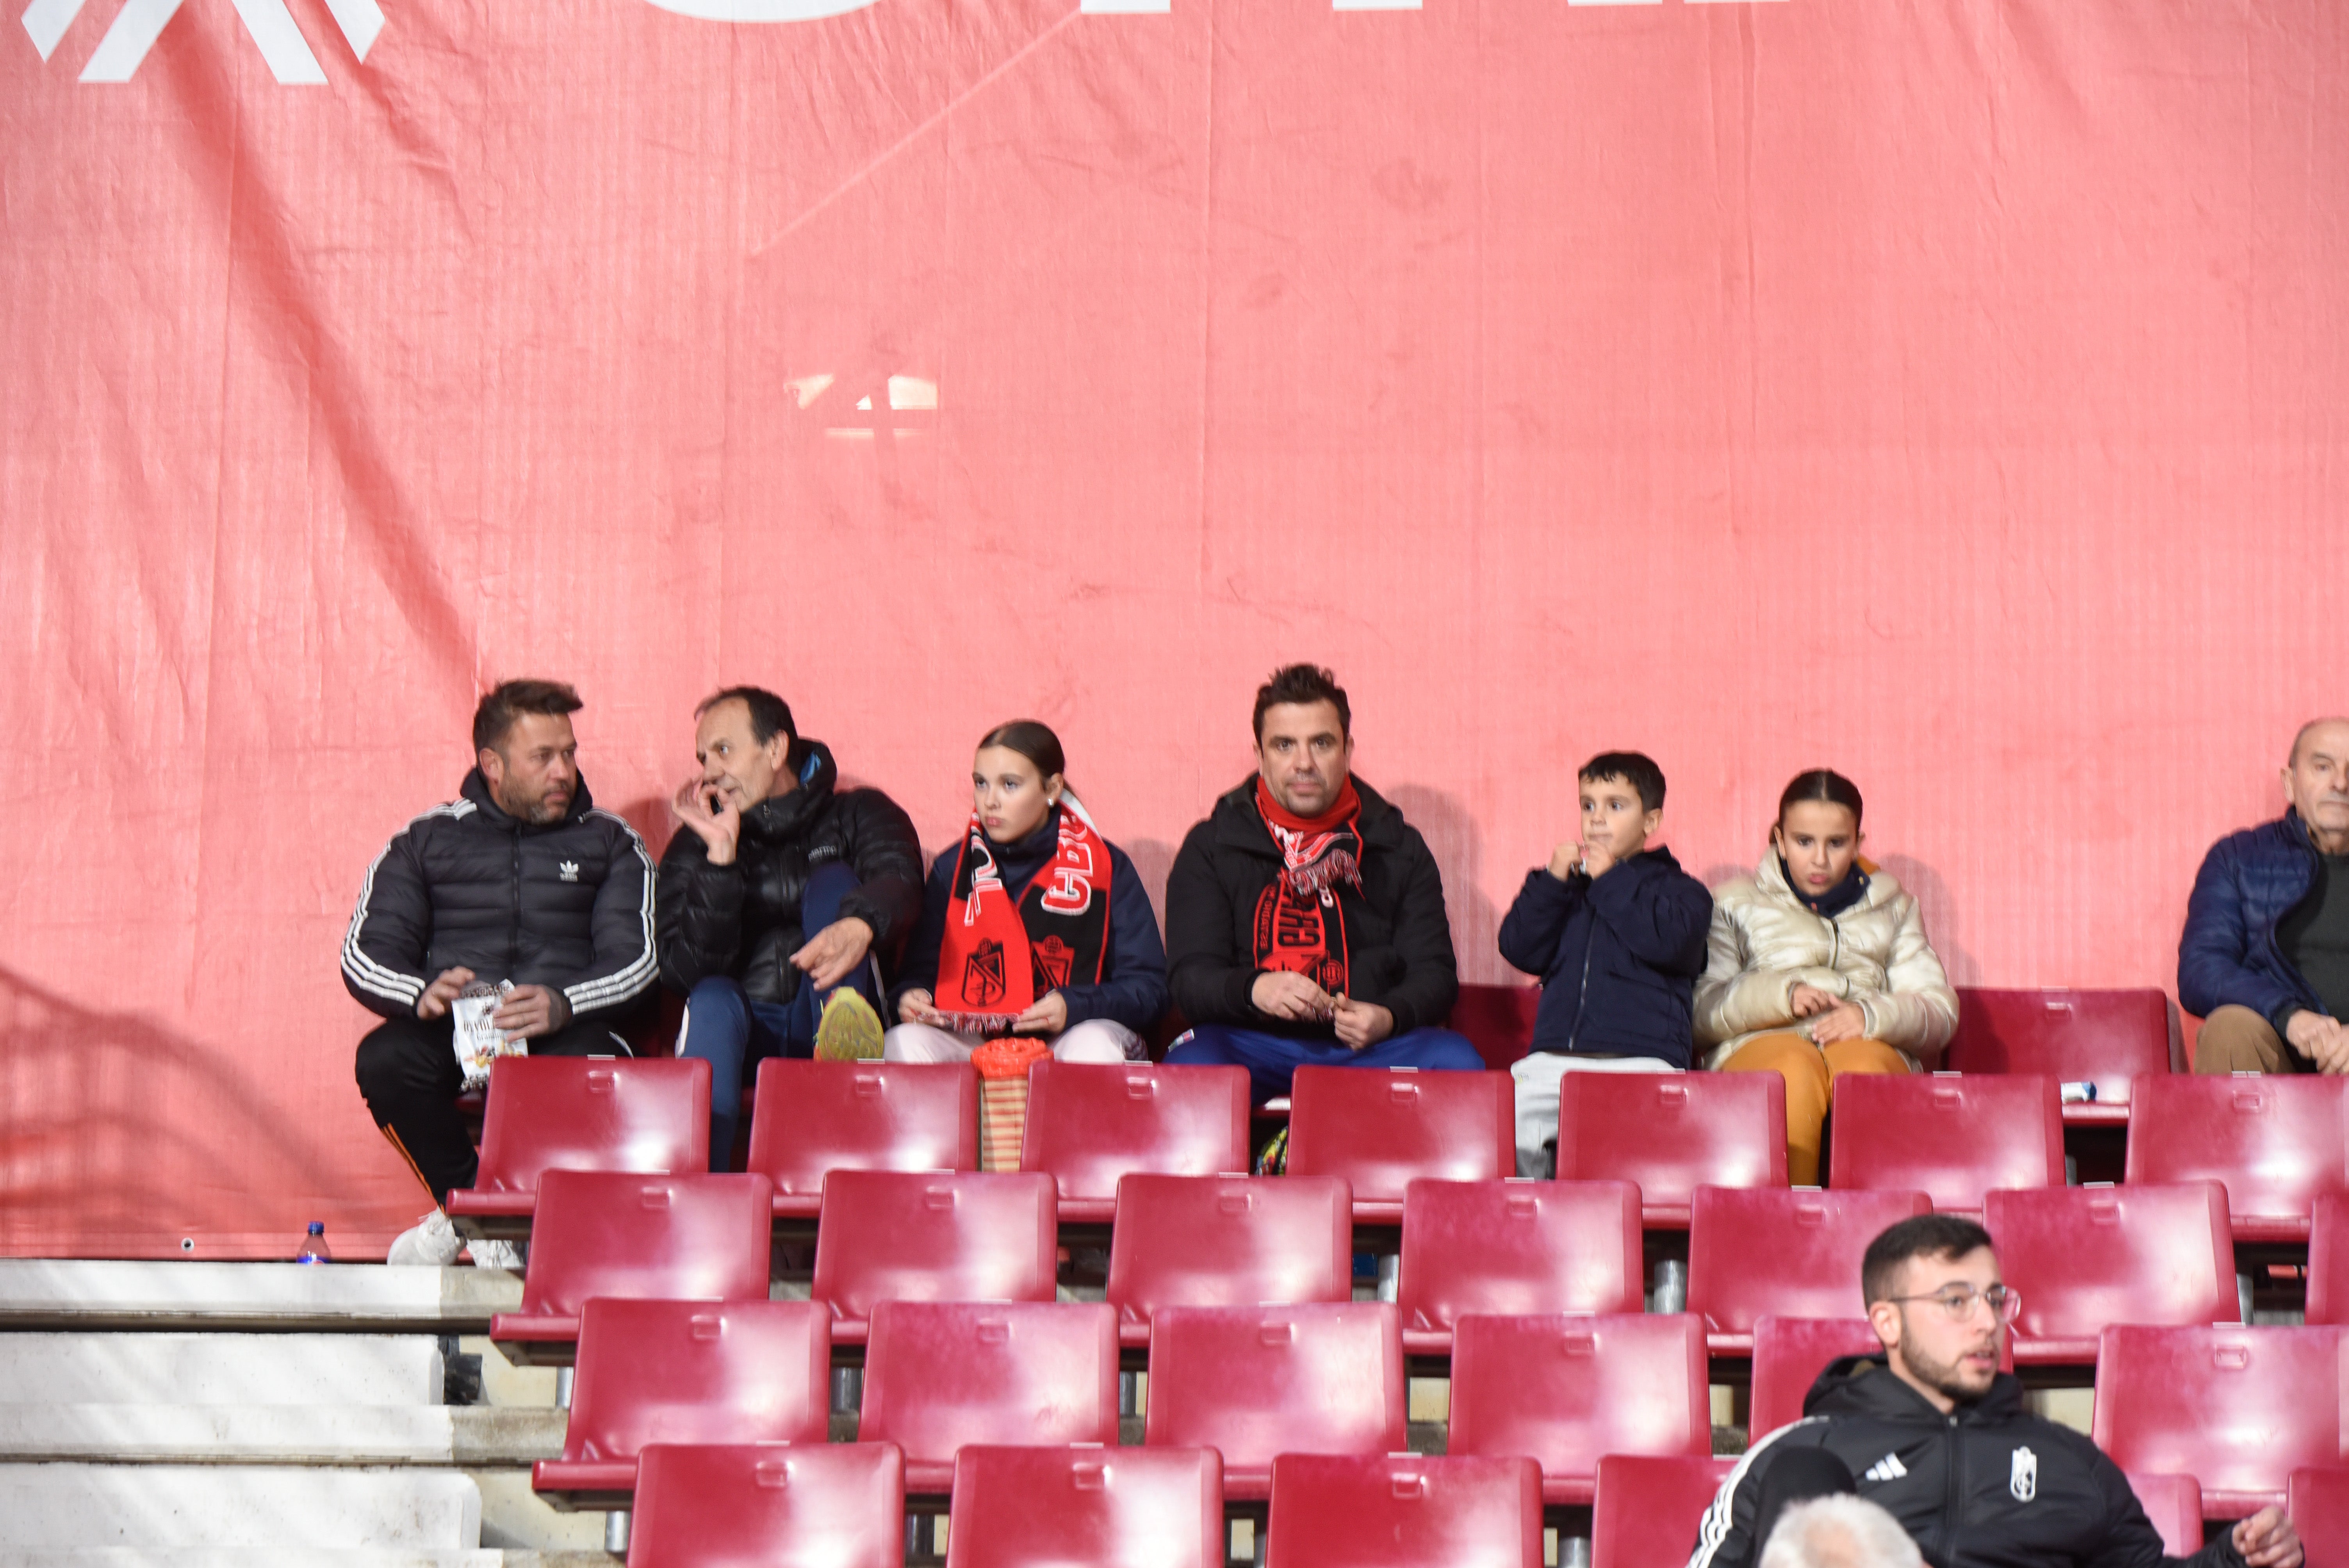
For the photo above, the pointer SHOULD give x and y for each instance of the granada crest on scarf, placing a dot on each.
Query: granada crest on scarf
(1003, 950)
(1301, 926)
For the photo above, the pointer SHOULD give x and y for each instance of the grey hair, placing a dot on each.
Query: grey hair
(1839, 1532)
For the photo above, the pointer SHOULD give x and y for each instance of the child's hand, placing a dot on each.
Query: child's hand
(1596, 861)
(1565, 860)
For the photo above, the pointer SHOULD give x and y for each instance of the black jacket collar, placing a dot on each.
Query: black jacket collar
(781, 816)
(1866, 1386)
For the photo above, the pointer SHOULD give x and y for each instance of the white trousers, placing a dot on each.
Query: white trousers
(1536, 1078)
(1094, 1040)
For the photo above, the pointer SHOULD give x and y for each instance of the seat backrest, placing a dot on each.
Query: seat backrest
(1951, 1137)
(2276, 1142)
(1090, 1124)
(1229, 1241)
(2103, 1038)
(1515, 1247)
(1648, 1507)
(683, 1238)
(584, 1113)
(1562, 1389)
(1670, 1133)
(697, 1372)
(1104, 1507)
(889, 1235)
(1793, 1253)
(2174, 1503)
(2317, 1500)
(1380, 1130)
(2083, 1257)
(1789, 1354)
(2238, 1408)
(1498, 1020)
(801, 1505)
(939, 1375)
(1250, 1382)
(1405, 1510)
(815, 1117)
(2328, 1260)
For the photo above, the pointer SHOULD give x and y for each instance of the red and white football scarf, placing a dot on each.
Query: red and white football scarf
(1301, 926)
(1003, 951)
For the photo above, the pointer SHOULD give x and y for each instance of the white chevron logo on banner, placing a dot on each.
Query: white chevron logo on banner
(140, 22)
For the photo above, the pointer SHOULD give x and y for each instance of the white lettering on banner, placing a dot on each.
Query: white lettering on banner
(268, 22)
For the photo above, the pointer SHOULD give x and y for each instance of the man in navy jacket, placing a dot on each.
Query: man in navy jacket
(2264, 959)
(1616, 930)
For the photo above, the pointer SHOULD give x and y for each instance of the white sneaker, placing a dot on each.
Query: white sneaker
(496, 1254)
(433, 1243)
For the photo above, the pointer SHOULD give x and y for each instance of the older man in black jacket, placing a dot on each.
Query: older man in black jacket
(1304, 919)
(779, 895)
(522, 882)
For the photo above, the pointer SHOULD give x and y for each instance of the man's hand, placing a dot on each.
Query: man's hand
(1283, 994)
(835, 951)
(2321, 1039)
(1565, 860)
(530, 1011)
(1806, 1000)
(1844, 1021)
(1362, 1025)
(918, 1006)
(1049, 1016)
(710, 812)
(2267, 1539)
(434, 1003)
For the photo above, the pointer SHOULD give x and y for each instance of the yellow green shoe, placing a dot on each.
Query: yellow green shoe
(849, 1031)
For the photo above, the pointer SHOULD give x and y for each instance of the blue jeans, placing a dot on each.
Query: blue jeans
(1272, 1060)
(733, 1034)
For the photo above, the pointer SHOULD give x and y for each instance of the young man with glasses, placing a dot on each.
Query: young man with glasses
(1933, 1432)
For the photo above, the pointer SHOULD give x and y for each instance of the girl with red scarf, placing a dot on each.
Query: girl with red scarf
(1033, 924)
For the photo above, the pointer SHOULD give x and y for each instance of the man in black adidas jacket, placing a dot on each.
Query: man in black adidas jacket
(1934, 1433)
(522, 879)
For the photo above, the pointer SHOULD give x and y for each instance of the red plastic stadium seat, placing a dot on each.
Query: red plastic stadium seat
(1253, 1382)
(2328, 1260)
(888, 1235)
(646, 1238)
(2103, 1038)
(1104, 1508)
(1497, 1019)
(1382, 1130)
(1501, 1247)
(2317, 1500)
(1672, 1133)
(2174, 1503)
(580, 1113)
(1796, 1254)
(939, 1375)
(2087, 1256)
(1647, 1510)
(1226, 1241)
(1089, 1124)
(814, 1117)
(801, 1505)
(1789, 1354)
(1563, 1388)
(2238, 1408)
(2276, 1142)
(1405, 1510)
(1951, 1138)
(684, 1372)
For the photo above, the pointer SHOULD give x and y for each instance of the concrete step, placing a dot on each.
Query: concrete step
(467, 1435)
(178, 1507)
(46, 1293)
(352, 1369)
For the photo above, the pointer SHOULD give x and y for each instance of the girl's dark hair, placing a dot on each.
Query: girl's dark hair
(1034, 741)
(1822, 784)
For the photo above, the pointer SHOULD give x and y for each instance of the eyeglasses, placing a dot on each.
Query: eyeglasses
(1959, 1301)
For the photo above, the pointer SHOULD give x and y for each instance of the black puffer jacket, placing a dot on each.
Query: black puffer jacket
(1398, 936)
(1990, 1485)
(743, 920)
(568, 904)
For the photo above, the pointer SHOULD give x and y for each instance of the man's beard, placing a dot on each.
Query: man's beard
(1943, 1376)
(538, 810)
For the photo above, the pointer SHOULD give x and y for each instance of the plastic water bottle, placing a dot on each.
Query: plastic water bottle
(314, 1245)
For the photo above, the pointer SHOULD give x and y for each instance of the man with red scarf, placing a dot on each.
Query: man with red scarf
(1305, 920)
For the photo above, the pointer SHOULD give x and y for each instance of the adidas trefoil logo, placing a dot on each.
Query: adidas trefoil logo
(568, 870)
(1888, 1468)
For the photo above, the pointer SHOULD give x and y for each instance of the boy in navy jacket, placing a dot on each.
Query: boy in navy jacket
(1616, 930)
